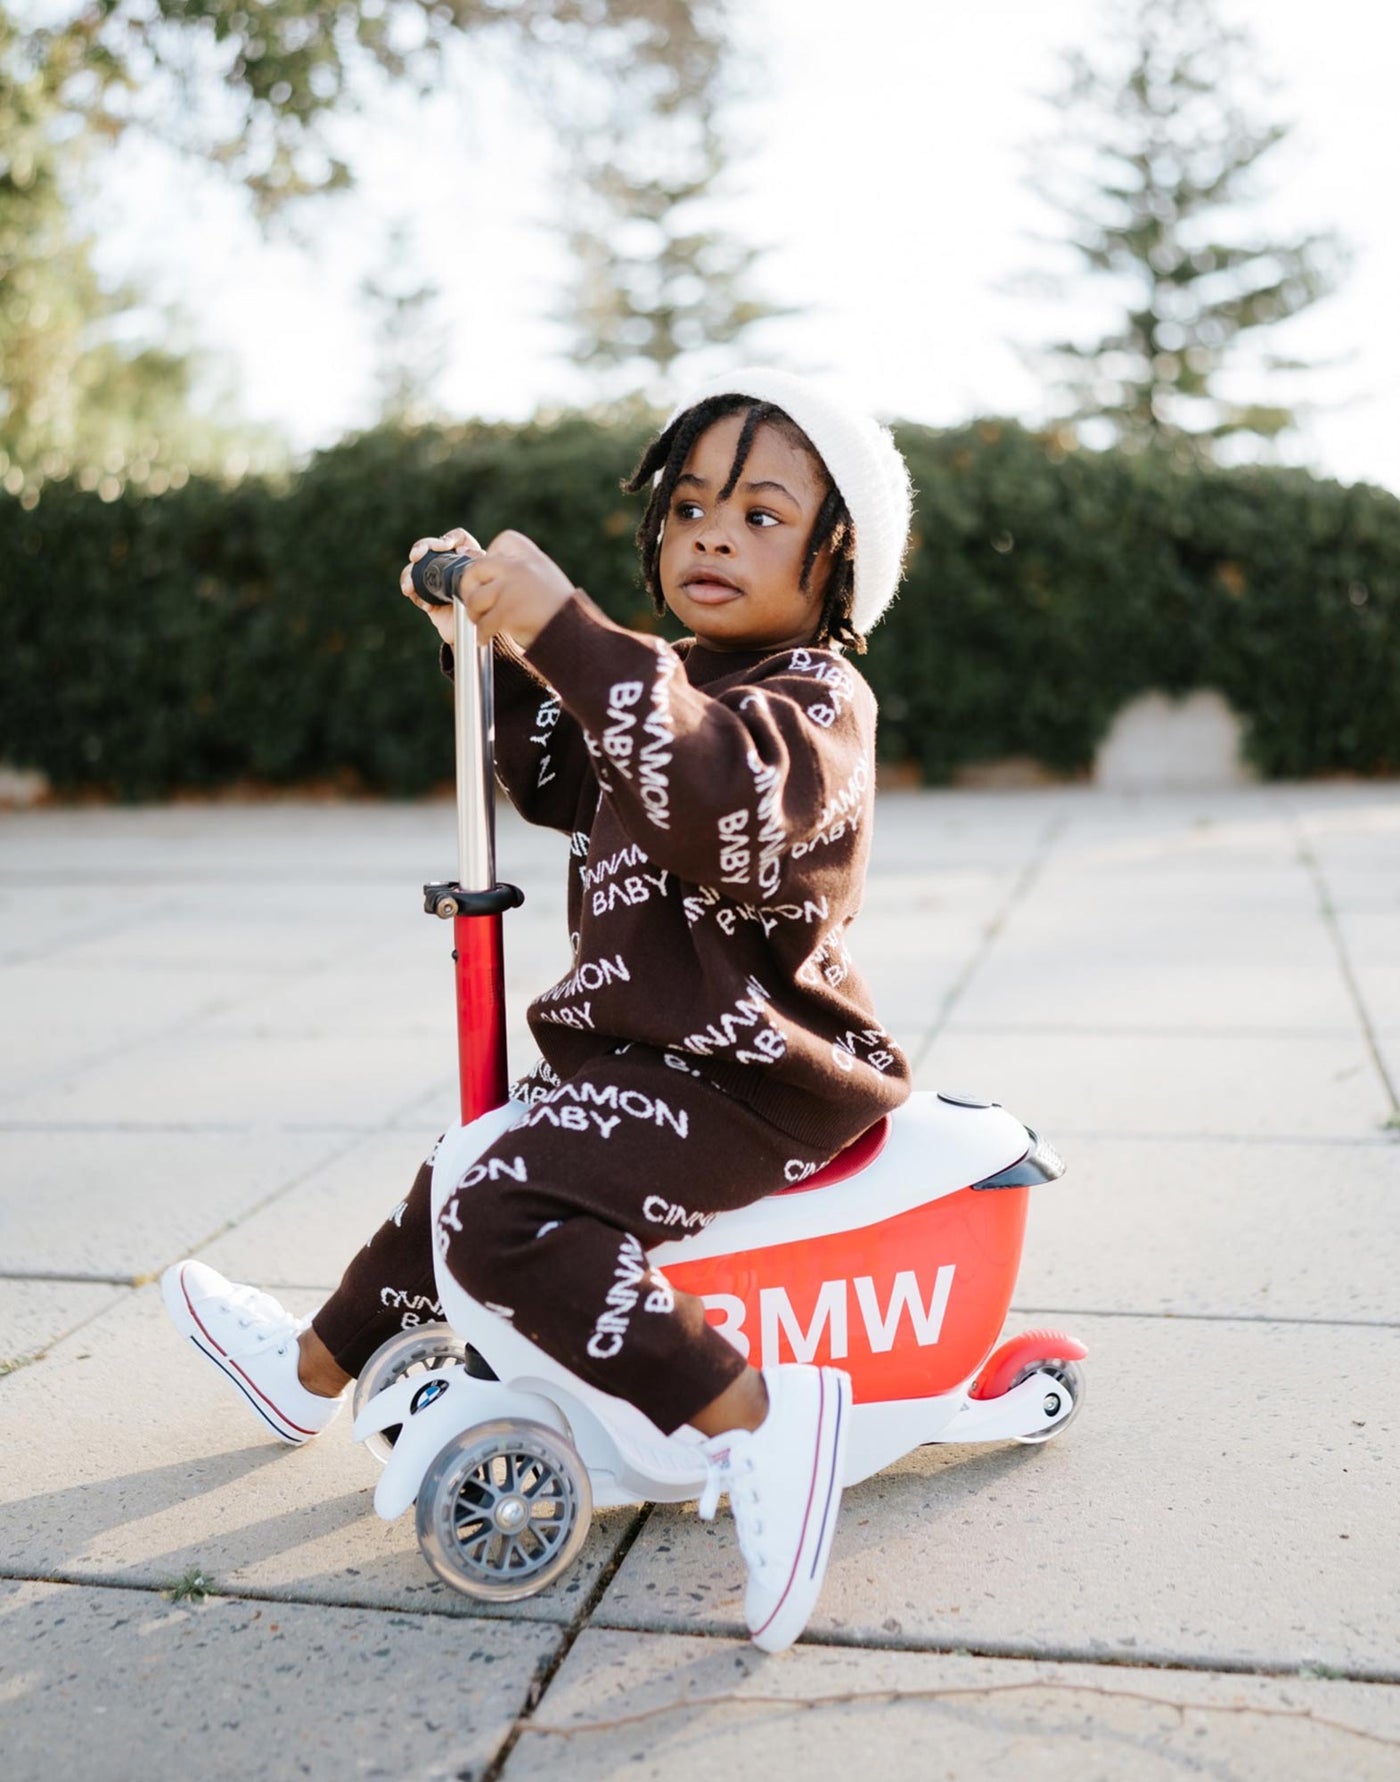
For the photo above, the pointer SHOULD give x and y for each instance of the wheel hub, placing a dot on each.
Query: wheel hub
(510, 1513)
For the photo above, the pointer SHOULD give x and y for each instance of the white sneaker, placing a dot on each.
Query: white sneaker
(253, 1340)
(784, 1485)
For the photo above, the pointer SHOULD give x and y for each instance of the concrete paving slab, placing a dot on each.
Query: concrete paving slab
(41, 915)
(684, 1710)
(166, 1469)
(997, 832)
(34, 1314)
(320, 1079)
(306, 1237)
(1188, 1228)
(1097, 963)
(1250, 831)
(125, 1203)
(260, 928)
(104, 1683)
(1204, 1084)
(1227, 1497)
(237, 842)
(61, 1019)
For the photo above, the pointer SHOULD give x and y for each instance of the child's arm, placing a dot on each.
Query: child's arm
(725, 791)
(542, 758)
(731, 791)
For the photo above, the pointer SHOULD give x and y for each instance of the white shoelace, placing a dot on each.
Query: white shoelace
(732, 1471)
(267, 1323)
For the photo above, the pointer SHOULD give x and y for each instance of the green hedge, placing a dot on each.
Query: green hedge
(209, 636)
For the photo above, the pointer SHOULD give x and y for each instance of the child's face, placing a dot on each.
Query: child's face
(730, 570)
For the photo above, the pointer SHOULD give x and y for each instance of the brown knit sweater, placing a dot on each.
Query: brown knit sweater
(719, 807)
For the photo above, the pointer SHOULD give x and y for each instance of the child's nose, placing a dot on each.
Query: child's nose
(713, 537)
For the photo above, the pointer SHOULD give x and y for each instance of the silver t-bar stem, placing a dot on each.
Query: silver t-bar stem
(476, 747)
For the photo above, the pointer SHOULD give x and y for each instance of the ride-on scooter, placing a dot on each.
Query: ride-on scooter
(896, 1261)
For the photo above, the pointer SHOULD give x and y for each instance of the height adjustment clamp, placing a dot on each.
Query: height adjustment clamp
(450, 899)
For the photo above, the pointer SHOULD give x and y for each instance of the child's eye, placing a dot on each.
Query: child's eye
(683, 506)
(762, 514)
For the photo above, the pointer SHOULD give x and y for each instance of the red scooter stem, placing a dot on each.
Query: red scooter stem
(481, 1001)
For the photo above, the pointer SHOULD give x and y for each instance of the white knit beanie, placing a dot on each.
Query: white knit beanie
(865, 464)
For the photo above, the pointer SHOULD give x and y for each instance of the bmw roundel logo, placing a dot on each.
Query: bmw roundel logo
(427, 1395)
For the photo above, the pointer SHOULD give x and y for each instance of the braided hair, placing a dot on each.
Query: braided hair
(833, 527)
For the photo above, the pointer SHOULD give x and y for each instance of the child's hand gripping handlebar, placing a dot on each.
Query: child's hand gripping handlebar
(436, 575)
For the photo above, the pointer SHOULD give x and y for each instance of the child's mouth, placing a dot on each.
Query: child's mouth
(709, 593)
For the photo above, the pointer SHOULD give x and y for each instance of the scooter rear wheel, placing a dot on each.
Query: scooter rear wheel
(423, 1350)
(1069, 1375)
(503, 1510)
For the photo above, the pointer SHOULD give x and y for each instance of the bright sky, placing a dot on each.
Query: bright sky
(882, 161)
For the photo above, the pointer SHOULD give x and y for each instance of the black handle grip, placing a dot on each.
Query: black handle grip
(436, 575)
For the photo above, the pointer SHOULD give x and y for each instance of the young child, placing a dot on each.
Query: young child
(711, 1042)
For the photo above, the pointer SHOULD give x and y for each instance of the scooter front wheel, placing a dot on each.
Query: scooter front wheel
(1066, 1375)
(424, 1349)
(503, 1510)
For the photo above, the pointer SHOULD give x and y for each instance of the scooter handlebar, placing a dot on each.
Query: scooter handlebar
(437, 573)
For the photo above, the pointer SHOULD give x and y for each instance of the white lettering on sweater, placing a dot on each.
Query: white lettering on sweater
(636, 888)
(827, 963)
(654, 756)
(880, 1051)
(746, 1020)
(771, 834)
(835, 677)
(601, 870)
(579, 1016)
(545, 720)
(729, 914)
(593, 974)
(618, 743)
(841, 813)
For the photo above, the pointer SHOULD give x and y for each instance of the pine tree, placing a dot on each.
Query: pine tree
(1160, 151)
(654, 280)
(411, 336)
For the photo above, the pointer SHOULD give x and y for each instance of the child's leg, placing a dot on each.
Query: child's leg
(388, 1287)
(551, 1227)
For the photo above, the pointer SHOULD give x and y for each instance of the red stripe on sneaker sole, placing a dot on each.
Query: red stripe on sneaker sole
(807, 1514)
(243, 1379)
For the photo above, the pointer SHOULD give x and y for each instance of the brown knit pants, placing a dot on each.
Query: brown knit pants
(551, 1225)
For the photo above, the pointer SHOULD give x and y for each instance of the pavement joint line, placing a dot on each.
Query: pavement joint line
(234, 1128)
(207, 1011)
(1380, 1141)
(58, 1278)
(1162, 1312)
(14, 1364)
(333, 1156)
(549, 1667)
(1329, 917)
(992, 931)
(1103, 1030)
(1144, 1313)
(1307, 1670)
